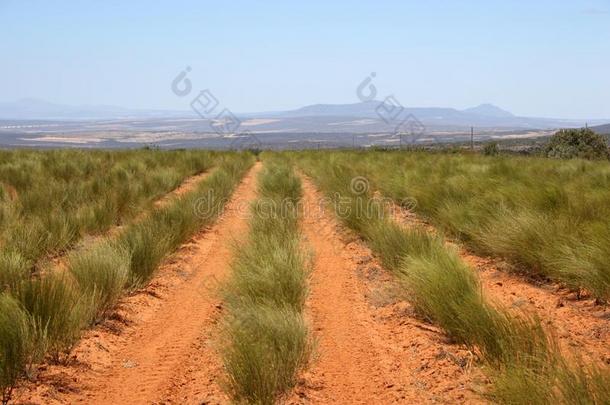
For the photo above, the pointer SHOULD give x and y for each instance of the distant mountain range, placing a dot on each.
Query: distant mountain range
(365, 117)
(370, 114)
(372, 109)
(34, 109)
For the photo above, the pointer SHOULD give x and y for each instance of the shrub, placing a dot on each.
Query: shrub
(491, 149)
(577, 143)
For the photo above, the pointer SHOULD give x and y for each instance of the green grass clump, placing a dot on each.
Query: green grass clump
(146, 246)
(465, 314)
(13, 270)
(267, 345)
(266, 338)
(269, 271)
(101, 273)
(58, 312)
(15, 344)
(556, 382)
(393, 243)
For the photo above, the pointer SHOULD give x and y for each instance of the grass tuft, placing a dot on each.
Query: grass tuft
(15, 344)
(57, 311)
(266, 338)
(266, 346)
(13, 270)
(101, 273)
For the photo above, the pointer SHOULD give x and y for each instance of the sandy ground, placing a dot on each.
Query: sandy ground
(581, 327)
(157, 347)
(370, 349)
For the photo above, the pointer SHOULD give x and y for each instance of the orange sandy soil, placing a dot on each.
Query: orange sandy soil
(581, 326)
(158, 347)
(369, 346)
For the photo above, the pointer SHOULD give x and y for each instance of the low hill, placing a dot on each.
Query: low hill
(602, 129)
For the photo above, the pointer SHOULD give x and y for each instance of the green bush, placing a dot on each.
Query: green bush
(577, 143)
(491, 149)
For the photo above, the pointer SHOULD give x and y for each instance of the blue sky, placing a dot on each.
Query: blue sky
(537, 58)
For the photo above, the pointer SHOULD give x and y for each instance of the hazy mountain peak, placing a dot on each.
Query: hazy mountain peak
(489, 110)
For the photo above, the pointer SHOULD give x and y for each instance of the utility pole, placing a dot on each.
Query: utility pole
(471, 138)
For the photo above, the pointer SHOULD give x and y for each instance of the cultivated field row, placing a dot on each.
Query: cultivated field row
(549, 218)
(312, 288)
(50, 200)
(44, 314)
